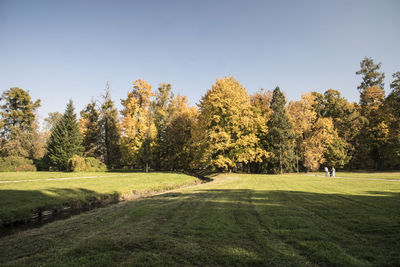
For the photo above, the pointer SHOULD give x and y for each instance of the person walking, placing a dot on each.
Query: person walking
(326, 171)
(333, 171)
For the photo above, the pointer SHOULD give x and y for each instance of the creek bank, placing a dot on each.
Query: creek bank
(44, 215)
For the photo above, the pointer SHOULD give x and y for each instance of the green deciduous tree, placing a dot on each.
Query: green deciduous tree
(260, 104)
(65, 140)
(177, 145)
(161, 110)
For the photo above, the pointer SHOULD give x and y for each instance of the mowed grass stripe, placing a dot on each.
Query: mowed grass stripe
(234, 220)
(344, 223)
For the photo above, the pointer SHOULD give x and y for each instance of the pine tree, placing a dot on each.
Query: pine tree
(19, 133)
(393, 98)
(65, 140)
(375, 133)
(392, 111)
(90, 129)
(110, 132)
(371, 75)
(280, 135)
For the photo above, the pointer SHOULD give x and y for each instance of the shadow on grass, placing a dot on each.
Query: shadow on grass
(239, 227)
(257, 227)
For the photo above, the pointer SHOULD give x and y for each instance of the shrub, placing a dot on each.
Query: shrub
(81, 164)
(16, 164)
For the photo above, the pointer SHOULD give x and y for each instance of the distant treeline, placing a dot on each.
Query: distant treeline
(229, 130)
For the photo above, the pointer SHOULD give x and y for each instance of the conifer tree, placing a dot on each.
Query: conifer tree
(392, 111)
(110, 132)
(280, 135)
(19, 133)
(65, 140)
(90, 129)
(394, 97)
(370, 74)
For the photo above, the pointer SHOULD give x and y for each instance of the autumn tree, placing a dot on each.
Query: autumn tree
(347, 122)
(228, 138)
(303, 115)
(65, 140)
(137, 125)
(316, 137)
(19, 131)
(280, 135)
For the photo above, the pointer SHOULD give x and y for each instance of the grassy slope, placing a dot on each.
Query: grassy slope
(19, 200)
(234, 220)
(16, 176)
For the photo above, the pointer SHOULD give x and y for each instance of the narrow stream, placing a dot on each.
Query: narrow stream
(41, 218)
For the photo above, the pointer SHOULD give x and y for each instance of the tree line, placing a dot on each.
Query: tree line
(229, 130)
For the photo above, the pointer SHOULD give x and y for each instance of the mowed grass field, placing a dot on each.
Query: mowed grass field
(21, 194)
(278, 220)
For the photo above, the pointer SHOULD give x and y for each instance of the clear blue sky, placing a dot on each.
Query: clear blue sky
(69, 49)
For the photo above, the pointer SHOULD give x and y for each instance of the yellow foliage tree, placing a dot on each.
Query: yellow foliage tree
(228, 131)
(316, 143)
(314, 135)
(137, 126)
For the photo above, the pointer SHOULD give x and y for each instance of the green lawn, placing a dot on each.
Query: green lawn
(22, 193)
(284, 220)
(17, 176)
(371, 175)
